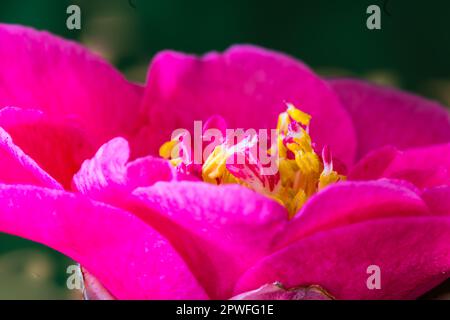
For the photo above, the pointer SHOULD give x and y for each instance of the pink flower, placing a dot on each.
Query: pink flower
(80, 173)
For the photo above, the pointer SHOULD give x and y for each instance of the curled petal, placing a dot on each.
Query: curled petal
(18, 168)
(109, 177)
(424, 167)
(57, 146)
(373, 164)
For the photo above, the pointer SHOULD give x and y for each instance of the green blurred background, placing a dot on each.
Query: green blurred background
(411, 51)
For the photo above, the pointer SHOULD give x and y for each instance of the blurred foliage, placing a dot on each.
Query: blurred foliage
(411, 51)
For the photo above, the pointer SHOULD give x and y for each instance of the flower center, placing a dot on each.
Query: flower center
(289, 171)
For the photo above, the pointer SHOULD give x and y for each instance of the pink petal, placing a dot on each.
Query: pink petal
(104, 176)
(109, 177)
(148, 170)
(424, 167)
(221, 231)
(39, 70)
(385, 116)
(373, 164)
(438, 200)
(18, 168)
(57, 146)
(248, 86)
(352, 202)
(412, 253)
(129, 258)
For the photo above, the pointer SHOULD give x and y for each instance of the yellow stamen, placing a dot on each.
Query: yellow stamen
(165, 151)
(297, 115)
(215, 165)
(327, 178)
(301, 172)
(283, 123)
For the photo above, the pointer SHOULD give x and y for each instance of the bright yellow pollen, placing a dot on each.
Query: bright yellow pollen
(297, 115)
(301, 172)
(283, 122)
(215, 165)
(329, 178)
(165, 151)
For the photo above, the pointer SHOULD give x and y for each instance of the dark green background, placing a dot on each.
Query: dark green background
(411, 51)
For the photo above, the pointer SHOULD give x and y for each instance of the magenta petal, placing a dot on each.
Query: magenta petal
(412, 253)
(127, 256)
(221, 231)
(39, 70)
(56, 145)
(424, 167)
(438, 200)
(385, 116)
(352, 202)
(109, 177)
(104, 176)
(18, 168)
(148, 170)
(248, 86)
(373, 165)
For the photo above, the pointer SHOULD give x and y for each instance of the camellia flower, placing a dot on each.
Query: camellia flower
(89, 167)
